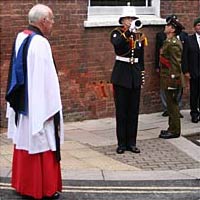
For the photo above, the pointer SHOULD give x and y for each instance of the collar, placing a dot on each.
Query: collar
(197, 35)
(35, 29)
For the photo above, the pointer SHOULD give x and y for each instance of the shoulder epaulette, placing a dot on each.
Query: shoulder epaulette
(142, 38)
(120, 31)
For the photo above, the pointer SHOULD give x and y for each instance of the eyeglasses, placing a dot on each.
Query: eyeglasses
(50, 18)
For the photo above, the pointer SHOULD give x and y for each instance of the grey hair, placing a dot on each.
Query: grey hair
(37, 12)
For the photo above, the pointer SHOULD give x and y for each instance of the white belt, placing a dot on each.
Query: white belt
(124, 59)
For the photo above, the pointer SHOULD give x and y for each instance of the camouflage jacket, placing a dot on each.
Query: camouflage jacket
(171, 75)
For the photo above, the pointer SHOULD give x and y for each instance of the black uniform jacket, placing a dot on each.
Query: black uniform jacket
(124, 73)
(191, 56)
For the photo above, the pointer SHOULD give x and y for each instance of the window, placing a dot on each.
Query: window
(120, 3)
(107, 12)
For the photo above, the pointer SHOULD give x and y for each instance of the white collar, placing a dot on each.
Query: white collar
(198, 39)
(197, 35)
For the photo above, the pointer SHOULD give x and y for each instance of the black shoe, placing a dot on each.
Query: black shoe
(170, 135)
(120, 150)
(165, 114)
(54, 196)
(163, 132)
(194, 119)
(181, 116)
(133, 149)
(27, 197)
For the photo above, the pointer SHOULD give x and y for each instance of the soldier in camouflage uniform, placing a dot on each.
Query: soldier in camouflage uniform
(171, 77)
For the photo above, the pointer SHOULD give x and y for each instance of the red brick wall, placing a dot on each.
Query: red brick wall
(186, 10)
(84, 56)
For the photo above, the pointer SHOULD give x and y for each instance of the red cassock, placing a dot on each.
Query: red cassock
(46, 178)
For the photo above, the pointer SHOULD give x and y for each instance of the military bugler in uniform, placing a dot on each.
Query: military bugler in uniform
(127, 78)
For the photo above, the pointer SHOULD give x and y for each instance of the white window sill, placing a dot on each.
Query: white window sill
(101, 16)
(100, 21)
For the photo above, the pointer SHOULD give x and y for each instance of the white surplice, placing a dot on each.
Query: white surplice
(35, 132)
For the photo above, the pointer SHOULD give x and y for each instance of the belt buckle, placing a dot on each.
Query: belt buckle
(132, 60)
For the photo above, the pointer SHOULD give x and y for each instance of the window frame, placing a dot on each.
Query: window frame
(103, 16)
(146, 3)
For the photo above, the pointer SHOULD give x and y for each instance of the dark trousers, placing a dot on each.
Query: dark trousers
(173, 111)
(195, 97)
(127, 110)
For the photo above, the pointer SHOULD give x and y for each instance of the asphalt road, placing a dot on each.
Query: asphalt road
(119, 190)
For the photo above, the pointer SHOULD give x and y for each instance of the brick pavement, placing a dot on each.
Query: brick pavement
(156, 154)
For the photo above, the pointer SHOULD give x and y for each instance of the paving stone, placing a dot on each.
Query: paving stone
(150, 157)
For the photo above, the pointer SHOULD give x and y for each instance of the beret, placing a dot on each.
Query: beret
(196, 21)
